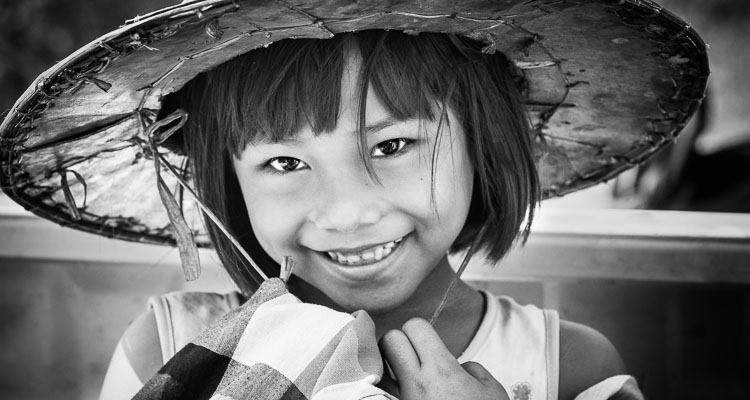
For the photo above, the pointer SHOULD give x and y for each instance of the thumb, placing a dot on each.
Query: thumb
(481, 374)
(476, 370)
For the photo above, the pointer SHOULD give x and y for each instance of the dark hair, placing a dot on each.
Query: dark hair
(272, 92)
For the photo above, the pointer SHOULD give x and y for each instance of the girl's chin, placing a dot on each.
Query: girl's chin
(341, 299)
(343, 294)
(374, 302)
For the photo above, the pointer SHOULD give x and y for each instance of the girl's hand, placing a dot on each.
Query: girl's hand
(425, 369)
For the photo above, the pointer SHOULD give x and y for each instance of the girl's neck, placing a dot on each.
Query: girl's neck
(457, 323)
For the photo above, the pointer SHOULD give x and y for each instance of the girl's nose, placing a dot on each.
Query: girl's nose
(345, 207)
(344, 217)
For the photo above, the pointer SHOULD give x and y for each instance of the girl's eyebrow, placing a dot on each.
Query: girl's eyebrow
(369, 130)
(386, 123)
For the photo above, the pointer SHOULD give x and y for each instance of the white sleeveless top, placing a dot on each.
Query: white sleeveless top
(518, 345)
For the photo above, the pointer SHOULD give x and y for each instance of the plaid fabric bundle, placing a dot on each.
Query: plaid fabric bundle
(276, 347)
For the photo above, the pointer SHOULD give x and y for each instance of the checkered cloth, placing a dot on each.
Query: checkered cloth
(276, 347)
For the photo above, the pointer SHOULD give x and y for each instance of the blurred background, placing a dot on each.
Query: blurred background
(678, 308)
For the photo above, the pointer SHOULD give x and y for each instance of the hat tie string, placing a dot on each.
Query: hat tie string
(184, 236)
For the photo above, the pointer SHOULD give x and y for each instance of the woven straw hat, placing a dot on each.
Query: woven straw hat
(610, 83)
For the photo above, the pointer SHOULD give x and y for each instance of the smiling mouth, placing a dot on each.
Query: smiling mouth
(366, 256)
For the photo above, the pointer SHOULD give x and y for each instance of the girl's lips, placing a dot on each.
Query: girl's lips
(368, 255)
(369, 268)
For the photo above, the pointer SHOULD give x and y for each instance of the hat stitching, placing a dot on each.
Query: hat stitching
(663, 129)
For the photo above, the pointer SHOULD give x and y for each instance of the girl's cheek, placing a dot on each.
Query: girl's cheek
(280, 197)
(275, 209)
(273, 228)
(445, 178)
(412, 169)
(279, 186)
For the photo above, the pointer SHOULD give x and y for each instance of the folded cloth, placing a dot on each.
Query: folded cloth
(276, 347)
(618, 387)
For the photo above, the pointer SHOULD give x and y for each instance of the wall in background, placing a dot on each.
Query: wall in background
(61, 322)
(683, 330)
(683, 327)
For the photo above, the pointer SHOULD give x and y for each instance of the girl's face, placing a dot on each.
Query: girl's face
(365, 244)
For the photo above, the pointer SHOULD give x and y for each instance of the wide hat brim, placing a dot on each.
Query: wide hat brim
(610, 83)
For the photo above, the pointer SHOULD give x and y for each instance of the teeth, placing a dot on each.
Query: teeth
(379, 253)
(375, 253)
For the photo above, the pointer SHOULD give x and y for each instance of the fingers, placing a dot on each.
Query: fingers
(415, 346)
(426, 342)
(426, 369)
(400, 354)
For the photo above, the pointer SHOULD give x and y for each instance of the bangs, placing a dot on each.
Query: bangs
(271, 94)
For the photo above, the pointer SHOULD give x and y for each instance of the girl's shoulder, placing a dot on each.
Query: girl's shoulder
(169, 323)
(137, 357)
(181, 316)
(575, 357)
(587, 357)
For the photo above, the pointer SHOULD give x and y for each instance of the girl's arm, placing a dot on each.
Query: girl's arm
(587, 360)
(136, 358)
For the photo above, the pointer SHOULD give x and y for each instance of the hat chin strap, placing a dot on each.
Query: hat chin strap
(469, 253)
(185, 242)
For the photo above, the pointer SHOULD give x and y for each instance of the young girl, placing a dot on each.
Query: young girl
(367, 157)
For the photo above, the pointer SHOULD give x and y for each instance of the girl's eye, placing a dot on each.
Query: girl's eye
(286, 164)
(390, 147)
